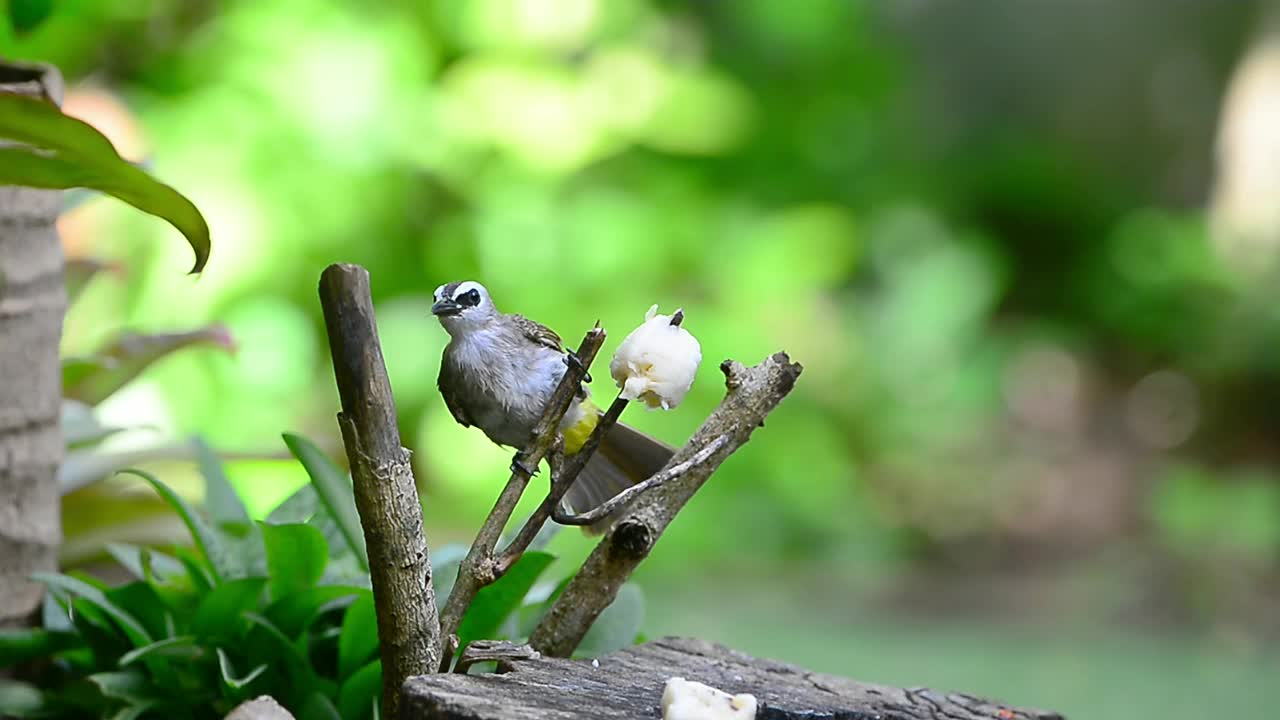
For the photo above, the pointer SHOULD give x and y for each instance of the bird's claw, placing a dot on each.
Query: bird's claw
(571, 359)
(518, 465)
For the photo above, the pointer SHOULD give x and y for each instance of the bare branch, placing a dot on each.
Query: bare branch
(752, 394)
(480, 568)
(564, 472)
(385, 494)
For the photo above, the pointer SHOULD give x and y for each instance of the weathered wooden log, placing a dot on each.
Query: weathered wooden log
(629, 684)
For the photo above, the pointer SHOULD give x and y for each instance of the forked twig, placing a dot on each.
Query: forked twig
(752, 394)
(564, 471)
(480, 567)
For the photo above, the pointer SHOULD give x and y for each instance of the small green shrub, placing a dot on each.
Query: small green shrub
(281, 607)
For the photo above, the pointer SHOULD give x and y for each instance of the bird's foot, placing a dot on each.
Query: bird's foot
(519, 464)
(571, 359)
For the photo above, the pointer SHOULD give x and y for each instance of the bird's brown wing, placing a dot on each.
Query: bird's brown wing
(449, 381)
(538, 333)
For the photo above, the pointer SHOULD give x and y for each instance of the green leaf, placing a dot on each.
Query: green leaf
(334, 490)
(20, 700)
(23, 645)
(87, 466)
(129, 354)
(298, 507)
(617, 626)
(229, 678)
(27, 15)
(359, 639)
(133, 629)
(220, 498)
(266, 641)
(361, 691)
(296, 557)
(318, 707)
(197, 569)
(182, 648)
(145, 563)
(295, 612)
(128, 685)
(219, 613)
(220, 564)
(53, 614)
(80, 156)
(135, 711)
(496, 602)
(104, 639)
(143, 603)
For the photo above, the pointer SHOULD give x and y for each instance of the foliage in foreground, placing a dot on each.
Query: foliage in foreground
(281, 607)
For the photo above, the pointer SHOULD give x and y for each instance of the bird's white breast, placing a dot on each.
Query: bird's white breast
(507, 382)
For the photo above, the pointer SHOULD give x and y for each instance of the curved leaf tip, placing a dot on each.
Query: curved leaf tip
(58, 152)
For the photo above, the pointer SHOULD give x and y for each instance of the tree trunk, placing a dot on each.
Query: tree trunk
(32, 304)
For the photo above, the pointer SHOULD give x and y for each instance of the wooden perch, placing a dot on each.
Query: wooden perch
(629, 684)
(399, 564)
(482, 566)
(752, 394)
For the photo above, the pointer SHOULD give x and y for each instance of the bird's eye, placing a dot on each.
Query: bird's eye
(470, 298)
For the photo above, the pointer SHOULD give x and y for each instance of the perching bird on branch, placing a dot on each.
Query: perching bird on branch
(498, 373)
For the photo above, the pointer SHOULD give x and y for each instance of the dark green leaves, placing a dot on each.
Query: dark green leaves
(296, 556)
(73, 586)
(495, 603)
(220, 611)
(26, 15)
(65, 153)
(334, 490)
(249, 608)
(208, 543)
(359, 639)
(360, 692)
(26, 644)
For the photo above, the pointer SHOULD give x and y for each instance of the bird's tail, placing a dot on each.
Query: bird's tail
(625, 457)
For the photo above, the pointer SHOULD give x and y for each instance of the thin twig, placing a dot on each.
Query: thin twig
(499, 651)
(564, 472)
(752, 394)
(480, 567)
(385, 494)
(624, 498)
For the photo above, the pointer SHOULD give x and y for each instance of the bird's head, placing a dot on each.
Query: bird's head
(463, 306)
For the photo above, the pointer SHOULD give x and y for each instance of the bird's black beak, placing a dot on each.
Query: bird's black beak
(445, 308)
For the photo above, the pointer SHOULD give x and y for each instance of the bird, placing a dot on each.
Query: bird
(498, 372)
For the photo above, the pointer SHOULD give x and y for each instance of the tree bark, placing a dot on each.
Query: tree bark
(629, 684)
(32, 304)
(386, 496)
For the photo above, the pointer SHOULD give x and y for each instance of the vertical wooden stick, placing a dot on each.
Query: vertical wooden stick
(399, 564)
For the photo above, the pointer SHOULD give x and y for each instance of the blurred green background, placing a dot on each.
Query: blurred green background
(1025, 251)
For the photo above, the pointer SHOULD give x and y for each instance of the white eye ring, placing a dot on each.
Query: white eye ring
(466, 287)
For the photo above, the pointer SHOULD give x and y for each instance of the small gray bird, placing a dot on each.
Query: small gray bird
(498, 373)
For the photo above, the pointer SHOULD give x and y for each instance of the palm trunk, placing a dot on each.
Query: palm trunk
(32, 304)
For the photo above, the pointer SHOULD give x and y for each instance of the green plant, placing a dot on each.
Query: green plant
(60, 152)
(281, 607)
(95, 513)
